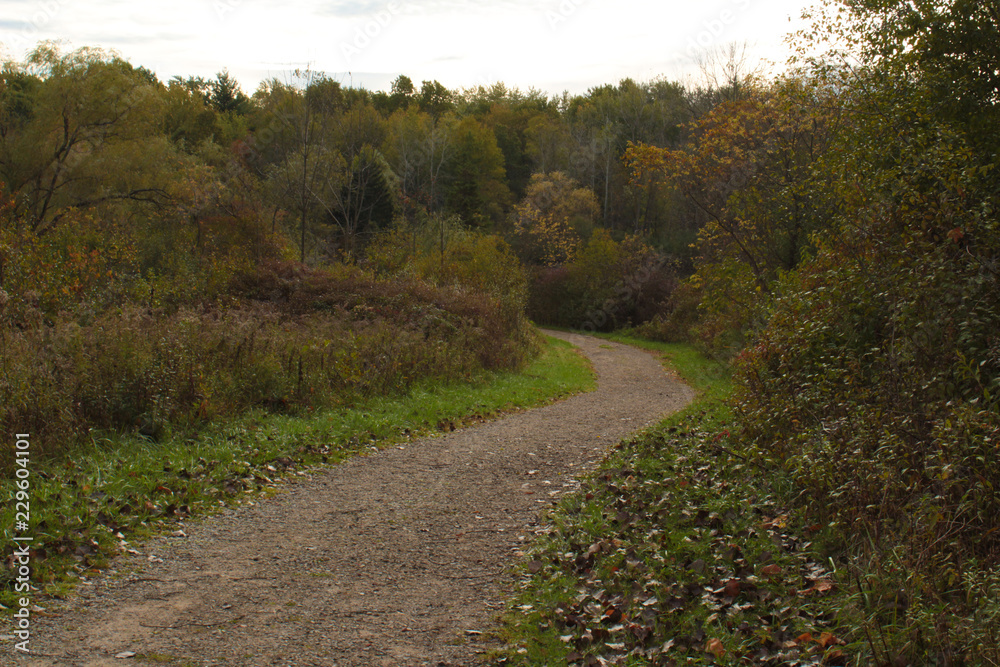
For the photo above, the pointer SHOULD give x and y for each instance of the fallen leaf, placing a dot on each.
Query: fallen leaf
(835, 658)
(770, 570)
(714, 646)
(612, 615)
(126, 654)
(820, 586)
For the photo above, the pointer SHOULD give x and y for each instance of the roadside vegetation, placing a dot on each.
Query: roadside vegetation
(104, 495)
(687, 546)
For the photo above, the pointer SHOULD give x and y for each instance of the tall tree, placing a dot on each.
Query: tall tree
(435, 99)
(226, 95)
(79, 130)
(418, 148)
(475, 176)
(749, 171)
(293, 148)
(358, 134)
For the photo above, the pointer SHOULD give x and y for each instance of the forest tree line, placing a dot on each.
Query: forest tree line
(199, 176)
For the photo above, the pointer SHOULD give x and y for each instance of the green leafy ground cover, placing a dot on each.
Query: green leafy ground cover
(87, 508)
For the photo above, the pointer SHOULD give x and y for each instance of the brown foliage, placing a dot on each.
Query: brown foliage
(287, 339)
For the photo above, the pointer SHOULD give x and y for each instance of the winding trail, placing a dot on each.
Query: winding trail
(398, 558)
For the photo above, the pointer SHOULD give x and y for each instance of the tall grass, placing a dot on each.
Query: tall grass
(287, 339)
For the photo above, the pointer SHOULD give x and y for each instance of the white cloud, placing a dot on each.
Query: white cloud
(548, 44)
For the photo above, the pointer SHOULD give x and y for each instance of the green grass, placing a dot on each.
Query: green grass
(710, 378)
(88, 506)
(677, 550)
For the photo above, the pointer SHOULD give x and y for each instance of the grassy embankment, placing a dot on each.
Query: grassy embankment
(679, 550)
(92, 503)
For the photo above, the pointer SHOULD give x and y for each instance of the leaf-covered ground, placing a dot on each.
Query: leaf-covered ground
(677, 551)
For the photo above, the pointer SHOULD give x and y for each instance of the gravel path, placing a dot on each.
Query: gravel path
(399, 558)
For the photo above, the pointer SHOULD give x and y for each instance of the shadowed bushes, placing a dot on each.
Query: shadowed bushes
(607, 285)
(875, 386)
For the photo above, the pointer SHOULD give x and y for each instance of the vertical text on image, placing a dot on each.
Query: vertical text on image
(21, 555)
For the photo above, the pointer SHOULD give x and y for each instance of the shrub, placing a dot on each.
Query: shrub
(287, 339)
(607, 285)
(875, 386)
(677, 317)
(442, 252)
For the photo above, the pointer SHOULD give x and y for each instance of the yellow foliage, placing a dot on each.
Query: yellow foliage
(553, 240)
(552, 219)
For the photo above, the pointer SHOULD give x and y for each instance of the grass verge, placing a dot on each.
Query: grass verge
(92, 504)
(679, 549)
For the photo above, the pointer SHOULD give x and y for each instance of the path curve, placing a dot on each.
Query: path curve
(398, 559)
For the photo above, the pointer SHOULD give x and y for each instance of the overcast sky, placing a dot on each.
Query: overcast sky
(552, 45)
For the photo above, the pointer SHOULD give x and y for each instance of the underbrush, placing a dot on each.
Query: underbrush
(874, 388)
(112, 490)
(605, 286)
(286, 340)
